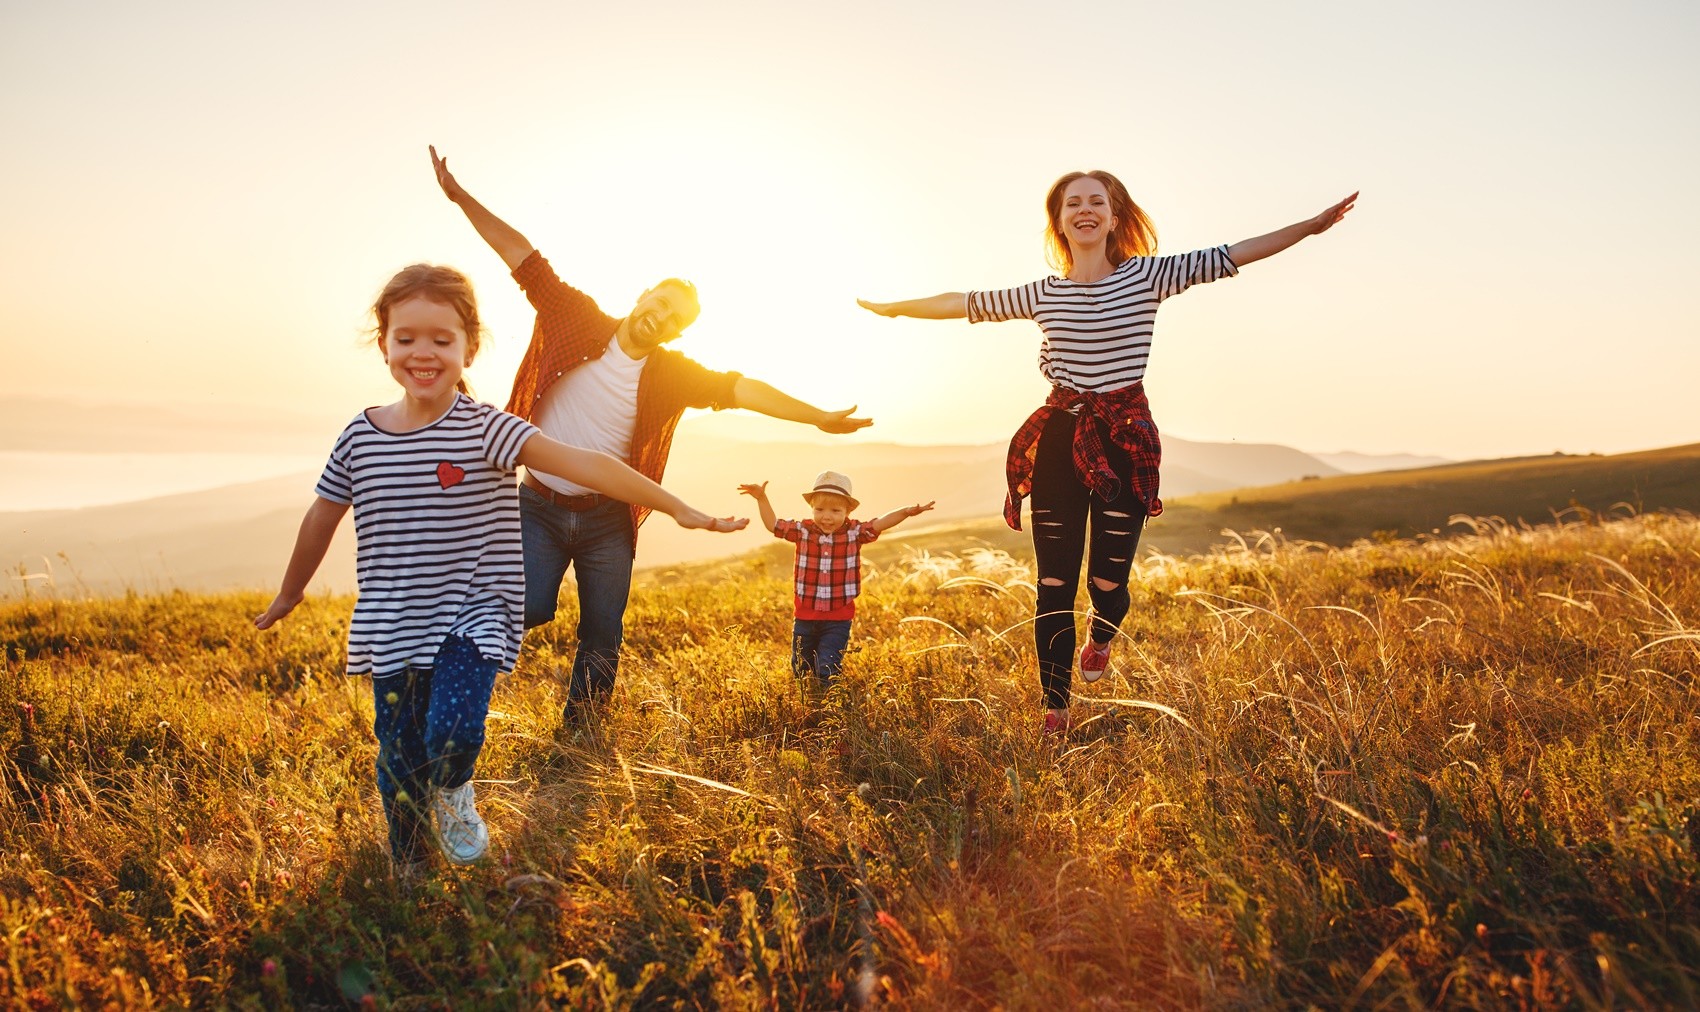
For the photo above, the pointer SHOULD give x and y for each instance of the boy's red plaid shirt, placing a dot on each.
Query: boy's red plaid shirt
(828, 574)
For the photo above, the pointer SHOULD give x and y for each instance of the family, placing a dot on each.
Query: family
(457, 555)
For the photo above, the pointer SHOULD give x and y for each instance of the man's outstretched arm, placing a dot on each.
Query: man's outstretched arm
(754, 395)
(506, 240)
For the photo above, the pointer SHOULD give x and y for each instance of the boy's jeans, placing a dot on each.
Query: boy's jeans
(430, 728)
(598, 544)
(817, 647)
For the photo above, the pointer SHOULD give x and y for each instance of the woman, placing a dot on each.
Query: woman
(1092, 450)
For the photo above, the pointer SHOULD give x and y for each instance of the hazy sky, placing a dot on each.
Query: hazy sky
(203, 198)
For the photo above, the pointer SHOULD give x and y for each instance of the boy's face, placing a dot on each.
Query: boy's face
(830, 511)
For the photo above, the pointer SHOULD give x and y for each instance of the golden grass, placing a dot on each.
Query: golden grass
(1457, 772)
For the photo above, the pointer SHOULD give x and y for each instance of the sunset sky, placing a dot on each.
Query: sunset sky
(203, 198)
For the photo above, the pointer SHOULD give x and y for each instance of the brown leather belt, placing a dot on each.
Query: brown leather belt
(575, 503)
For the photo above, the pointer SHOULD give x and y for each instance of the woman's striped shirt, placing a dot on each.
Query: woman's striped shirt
(1097, 335)
(436, 520)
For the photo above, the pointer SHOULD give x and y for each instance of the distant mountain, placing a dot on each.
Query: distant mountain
(1364, 463)
(240, 535)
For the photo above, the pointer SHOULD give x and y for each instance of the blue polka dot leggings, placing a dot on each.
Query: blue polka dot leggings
(430, 728)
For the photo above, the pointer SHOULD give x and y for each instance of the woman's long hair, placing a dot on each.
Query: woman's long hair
(1133, 236)
(443, 285)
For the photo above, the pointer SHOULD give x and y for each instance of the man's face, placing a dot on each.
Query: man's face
(660, 314)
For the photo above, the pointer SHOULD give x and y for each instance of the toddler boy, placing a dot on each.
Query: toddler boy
(828, 572)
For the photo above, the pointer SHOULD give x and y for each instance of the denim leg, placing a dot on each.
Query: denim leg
(805, 646)
(1116, 527)
(461, 683)
(545, 542)
(602, 551)
(833, 637)
(399, 704)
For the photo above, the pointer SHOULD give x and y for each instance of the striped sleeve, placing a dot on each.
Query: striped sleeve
(1004, 304)
(504, 435)
(1172, 275)
(336, 482)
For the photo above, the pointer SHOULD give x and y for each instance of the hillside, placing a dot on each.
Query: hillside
(1392, 504)
(1454, 774)
(240, 536)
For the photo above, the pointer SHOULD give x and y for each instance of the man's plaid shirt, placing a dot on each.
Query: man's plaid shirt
(571, 330)
(1120, 417)
(829, 566)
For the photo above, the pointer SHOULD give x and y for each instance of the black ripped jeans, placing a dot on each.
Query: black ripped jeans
(1061, 504)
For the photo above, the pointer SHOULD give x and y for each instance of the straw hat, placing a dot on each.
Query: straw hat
(834, 482)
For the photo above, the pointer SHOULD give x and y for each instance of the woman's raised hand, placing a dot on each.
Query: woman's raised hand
(1331, 217)
(882, 308)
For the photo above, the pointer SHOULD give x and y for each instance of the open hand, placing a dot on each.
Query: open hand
(697, 520)
(882, 308)
(840, 422)
(280, 606)
(754, 491)
(1331, 217)
(918, 508)
(445, 178)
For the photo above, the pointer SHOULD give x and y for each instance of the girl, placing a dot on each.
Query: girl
(442, 585)
(1092, 450)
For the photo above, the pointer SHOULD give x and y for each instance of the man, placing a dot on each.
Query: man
(606, 384)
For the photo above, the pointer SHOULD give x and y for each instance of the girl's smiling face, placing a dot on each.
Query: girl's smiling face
(425, 347)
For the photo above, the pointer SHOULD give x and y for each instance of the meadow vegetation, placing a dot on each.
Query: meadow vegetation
(1458, 771)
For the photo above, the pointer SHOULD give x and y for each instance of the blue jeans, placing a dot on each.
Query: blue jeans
(599, 543)
(817, 647)
(430, 728)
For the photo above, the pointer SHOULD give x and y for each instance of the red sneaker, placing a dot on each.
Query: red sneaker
(1054, 725)
(1094, 658)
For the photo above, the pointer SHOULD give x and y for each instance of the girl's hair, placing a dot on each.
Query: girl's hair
(443, 285)
(1134, 235)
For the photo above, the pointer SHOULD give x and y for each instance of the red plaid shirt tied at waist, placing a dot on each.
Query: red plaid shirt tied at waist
(829, 566)
(1108, 417)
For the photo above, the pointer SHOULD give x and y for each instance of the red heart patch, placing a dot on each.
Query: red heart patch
(449, 475)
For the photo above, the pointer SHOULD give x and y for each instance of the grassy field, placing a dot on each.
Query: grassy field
(1457, 772)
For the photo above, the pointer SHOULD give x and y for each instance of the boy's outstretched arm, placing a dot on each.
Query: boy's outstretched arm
(311, 543)
(899, 515)
(614, 479)
(759, 493)
(506, 240)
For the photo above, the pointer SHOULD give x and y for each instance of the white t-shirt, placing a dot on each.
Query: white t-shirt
(436, 523)
(594, 406)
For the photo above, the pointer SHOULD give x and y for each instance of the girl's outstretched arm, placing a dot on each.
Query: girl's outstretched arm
(506, 240)
(617, 481)
(944, 306)
(899, 515)
(1251, 250)
(759, 494)
(311, 543)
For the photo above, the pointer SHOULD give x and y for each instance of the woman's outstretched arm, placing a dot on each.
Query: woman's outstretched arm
(945, 306)
(506, 240)
(1251, 250)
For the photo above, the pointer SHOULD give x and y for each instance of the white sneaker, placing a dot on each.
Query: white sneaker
(461, 834)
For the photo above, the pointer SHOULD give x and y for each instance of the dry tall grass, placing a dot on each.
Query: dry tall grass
(1460, 772)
